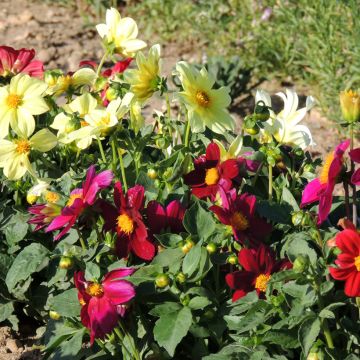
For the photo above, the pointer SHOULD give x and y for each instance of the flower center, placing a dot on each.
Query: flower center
(84, 123)
(125, 223)
(82, 302)
(357, 263)
(262, 281)
(239, 221)
(95, 289)
(13, 101)
(73, 197)
(52, 197)
(23, 146)
(212, 176)
(324, 174)
(202, 98)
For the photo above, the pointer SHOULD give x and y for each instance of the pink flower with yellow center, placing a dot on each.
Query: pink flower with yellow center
(103, 303)
(321, 188)
(79, 200)
(348, 262)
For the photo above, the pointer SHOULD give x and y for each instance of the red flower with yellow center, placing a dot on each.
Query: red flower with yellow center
(238, 211)
(103, 303)
(258, 266)
(348, 262)
(126, 220)
(210, 173)
(321, 189)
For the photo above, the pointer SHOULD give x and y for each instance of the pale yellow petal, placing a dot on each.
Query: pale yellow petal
(35, 105)
(44, 140)
(7, 150)
(22, 122)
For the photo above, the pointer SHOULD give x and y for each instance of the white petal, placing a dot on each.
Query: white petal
(24, 123)
(44, 140)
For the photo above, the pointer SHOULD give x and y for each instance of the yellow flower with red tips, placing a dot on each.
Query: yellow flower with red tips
(14, 154)
(206, 106)
(19, 102)
(350, 105)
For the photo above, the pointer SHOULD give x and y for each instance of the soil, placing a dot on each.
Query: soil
(61, 39)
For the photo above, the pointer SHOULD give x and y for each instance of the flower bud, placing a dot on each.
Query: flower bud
(301, 264)
(232, 259)
(350, 105)
(180, 277)
(66, 263)
(152, 174)
(209, 314)
(54, 315)
(297, 218)
(185, 300)
(187, 246)
(31, 198)
(211, 248)
(111, 94)
(262, 111)
(162, 280)
(253, 130)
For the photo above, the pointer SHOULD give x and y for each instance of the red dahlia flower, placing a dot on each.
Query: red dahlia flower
(168, 218)
(14, 61)
(127, 221)
(321, 188)
(348, 262)
(355, 156)
(103, 303)
(80, 199)
(238, 211)
(210, 173)
(258, 266)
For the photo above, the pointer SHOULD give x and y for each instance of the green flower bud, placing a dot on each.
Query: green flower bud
(209, 314)
(185, 300)
(187, 246)
(162, 280)
(181, 278)
(54, 315)
(253, 130)
(66, 263)
(262, 111)
(232, 259)
(211, 248)
(152, 174)
(297, 218)
(301, 264)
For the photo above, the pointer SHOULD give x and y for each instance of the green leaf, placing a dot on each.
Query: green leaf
(326, 314)
(165, 308)
(198, 221)
(70, 347)
(299, 244)
(146, 273)
(66, 303)
(168, 257)
(6, 310)
(287, 339)
(191, 260)
(169, 240)
(17, 228)
(31, 259)
(308, 332)
(171, 328)
(277, 213)
(199, 302)
(288, 198)
(92, 272)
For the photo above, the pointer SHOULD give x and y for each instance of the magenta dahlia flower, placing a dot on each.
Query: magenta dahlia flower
(103, 303)
(80, 199)
(355, 157)
(321, 189)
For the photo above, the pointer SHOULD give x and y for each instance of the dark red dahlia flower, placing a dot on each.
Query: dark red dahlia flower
(355, 157)
(258, 266)
(348, 262)
(238, 211)
(168, 218)
(210, 173)
(128, 223)
(103, 303)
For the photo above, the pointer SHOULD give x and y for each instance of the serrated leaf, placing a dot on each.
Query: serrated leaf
(6, 310)
(199, 302)
(191, 260)
(308, 333)
(66, 303)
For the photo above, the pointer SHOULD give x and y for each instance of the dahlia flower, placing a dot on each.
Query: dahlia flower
(103, 303)
(350, 105)
(120, 33)
(13, 62)
(210, 173)
(206, 106)
(14, 153)
(258, 266)
(284, 126)
(348, 262)
(321, 188)
(238, 211)
(79, 200)
(19, 101)
(355, 157)
(143, 80)
(43, 214)
(126, 220)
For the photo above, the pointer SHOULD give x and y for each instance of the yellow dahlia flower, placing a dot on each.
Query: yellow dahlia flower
(14, 154)
(206, 106)
(120, 33)
(350, 105)
(235, 149)
(144, 80)
(19, 101)
(284, 126)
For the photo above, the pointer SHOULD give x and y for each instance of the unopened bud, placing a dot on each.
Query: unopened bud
(350, 105)
(301, 264)
(162, 280)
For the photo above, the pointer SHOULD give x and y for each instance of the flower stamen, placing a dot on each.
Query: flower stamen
(212, 176)
(357, 263)
(95, 289)
(13, 101)
(125, 224)
(73, 197)
(239, 221)
(23, 146)
(202, 98)
(324, 174)
(262, 281)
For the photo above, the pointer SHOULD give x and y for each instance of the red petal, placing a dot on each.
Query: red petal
(247, 259)
(213, 153)
(156, 216)
(229, 169)
(355, 155)
(339, 274)
(349, 242)
(222, 214)
(352, 285)
(135, 197)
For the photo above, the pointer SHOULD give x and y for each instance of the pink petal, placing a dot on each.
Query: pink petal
(90, 174)
(175, 214)
(119, 291)
(355, 178)
(135, 197)
(229, 169)
(311, 192)
(118, 273)
(355, 155)
(58, 223)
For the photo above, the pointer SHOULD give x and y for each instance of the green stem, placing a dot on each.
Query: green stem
(121, 338)
(187, 131)
(270, 182)
(324, 323)
(82, 242)
(135, 351)
(102, 61)
(122, 168)
(347, 202)
(257, 174)
(101, 149)
(168, 106)
(114, 156)
(353, 187)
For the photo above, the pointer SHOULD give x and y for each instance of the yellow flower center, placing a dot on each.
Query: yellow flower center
(82, 302)
(64, 82)
(212, 176)
(324, 174)
(357, 263)
(23, 146)
(13, 101)
(83, 123)
(262, 281)
(95, 289)
(202, 98)
(239, 221)
(125, 223)
(73, 197)
(52, 197)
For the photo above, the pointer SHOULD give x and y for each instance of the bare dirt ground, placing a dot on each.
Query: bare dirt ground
(61, 40)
